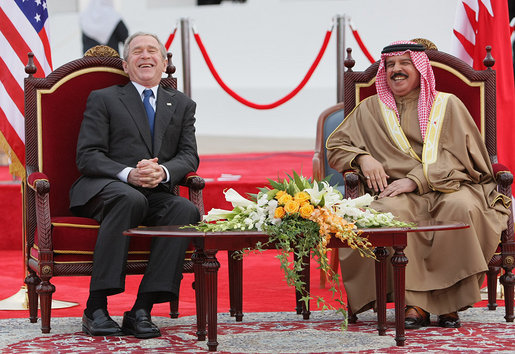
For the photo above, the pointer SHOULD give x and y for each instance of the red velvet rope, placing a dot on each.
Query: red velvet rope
(170, 39)
(255, 105)
(362, 46)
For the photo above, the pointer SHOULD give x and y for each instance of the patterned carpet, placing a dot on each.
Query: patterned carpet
(272, 332)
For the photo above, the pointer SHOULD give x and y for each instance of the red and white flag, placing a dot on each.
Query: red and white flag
(23, 29)
(486, 22)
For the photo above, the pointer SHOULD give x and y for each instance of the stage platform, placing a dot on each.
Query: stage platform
(244, 172)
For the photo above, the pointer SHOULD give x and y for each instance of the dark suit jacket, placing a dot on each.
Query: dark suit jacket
(115, 134)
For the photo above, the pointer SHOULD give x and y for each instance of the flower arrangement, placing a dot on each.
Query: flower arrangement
(300, 217)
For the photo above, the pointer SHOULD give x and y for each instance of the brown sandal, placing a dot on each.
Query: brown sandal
(421, 319)
(449, 320)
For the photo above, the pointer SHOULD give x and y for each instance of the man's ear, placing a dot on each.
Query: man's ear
(124, 64)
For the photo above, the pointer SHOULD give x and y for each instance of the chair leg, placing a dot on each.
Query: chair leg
(45, 290)
(491, 280)
(334, 262)
(508, 282)
(174, 308)
(32, 281)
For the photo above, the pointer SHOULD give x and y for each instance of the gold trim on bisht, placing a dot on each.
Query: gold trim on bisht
(101, 51)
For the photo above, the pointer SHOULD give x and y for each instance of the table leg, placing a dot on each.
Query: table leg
(380, 269)
(306, 278)
(211, 266)
(399, 261)
(300, 306)
(235, 285)
(230, 268)
(298, 295)
(198, 257)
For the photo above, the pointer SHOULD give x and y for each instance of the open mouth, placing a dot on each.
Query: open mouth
(399, 76)
(143, 66)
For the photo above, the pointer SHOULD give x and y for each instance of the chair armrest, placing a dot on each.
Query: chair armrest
(40, 184)
(193, 181)
(504, 178)
(352, 184)
(195, 184)
(318, 173)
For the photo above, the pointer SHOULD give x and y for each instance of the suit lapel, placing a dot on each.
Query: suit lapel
(131, 99)
(165, 108)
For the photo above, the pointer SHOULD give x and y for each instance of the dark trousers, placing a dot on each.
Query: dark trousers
(119, 207)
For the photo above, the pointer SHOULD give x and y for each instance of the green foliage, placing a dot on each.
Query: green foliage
(301, 238)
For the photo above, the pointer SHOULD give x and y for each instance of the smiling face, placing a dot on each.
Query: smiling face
(144, 63)
(401, 75)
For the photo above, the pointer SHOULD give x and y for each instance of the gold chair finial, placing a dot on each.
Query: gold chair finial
(101, 51)
(425, 42)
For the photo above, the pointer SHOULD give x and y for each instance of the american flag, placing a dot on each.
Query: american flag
(23, 29)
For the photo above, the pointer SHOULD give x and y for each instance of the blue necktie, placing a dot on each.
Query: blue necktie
(150, 110)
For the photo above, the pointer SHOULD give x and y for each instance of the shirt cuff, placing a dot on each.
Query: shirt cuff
(123, 175)
(167, 179)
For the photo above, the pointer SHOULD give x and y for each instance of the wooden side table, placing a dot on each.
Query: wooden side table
(206, 269)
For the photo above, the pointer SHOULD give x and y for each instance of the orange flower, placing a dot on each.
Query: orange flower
(291, 206)
(302, 197)
(279, 194)
(279, 212)
(285, 198)
(306, 210)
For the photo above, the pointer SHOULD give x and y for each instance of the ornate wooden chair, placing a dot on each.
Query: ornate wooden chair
(57, 243)
(478, 92)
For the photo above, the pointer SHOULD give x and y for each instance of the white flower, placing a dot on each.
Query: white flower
(263, 200)
(217, 214)
(332, 195)
(236, 199)
(360, 202)
(315, 194)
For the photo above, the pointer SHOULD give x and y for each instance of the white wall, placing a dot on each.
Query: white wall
(262, 50)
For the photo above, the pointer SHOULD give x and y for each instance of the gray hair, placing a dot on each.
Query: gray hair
(138, 34)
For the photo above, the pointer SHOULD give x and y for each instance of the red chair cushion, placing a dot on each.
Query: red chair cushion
(74, 240)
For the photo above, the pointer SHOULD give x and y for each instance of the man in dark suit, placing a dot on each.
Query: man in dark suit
(135, 143)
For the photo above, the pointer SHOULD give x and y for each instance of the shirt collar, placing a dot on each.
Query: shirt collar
(141, 88)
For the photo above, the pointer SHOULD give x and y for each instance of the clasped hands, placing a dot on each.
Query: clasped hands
(377, 179)
(148, 174)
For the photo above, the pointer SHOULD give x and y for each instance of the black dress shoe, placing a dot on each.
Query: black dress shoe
(101, 324)
(139, 324)
(421, 319)
(450, 320)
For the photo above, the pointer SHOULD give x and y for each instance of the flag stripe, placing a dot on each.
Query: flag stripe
(11, 86)
(15, 117)
(16, 144)
(28, 32)
(25, 33)
(467, 45)
(12, 61)
(18, 43)
(23, 29)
